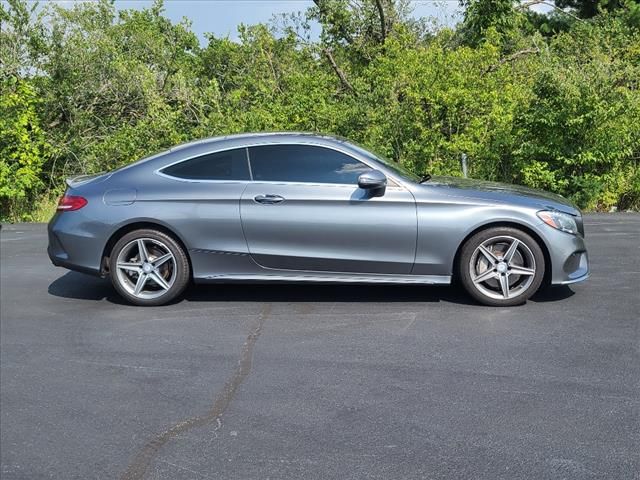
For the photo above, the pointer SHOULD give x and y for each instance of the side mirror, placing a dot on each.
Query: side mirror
(374, 181)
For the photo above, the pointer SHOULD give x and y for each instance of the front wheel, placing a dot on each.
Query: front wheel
(148, 267)
(501, 266)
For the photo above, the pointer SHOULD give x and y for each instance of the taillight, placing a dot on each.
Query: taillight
(69, 203)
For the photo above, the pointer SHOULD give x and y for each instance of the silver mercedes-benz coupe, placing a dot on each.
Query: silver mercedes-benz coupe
(296, 207)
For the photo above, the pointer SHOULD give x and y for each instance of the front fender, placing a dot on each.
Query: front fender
(443, 228)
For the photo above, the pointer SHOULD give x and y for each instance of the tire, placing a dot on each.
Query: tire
(162, 263)
(501, 266)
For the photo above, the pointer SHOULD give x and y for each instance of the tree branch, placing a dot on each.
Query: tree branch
(531, 3)
(383, 21)
(338, 70)
(512, 57)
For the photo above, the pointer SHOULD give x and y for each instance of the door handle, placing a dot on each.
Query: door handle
(268, 199)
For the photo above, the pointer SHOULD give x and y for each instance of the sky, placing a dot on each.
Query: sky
(222, 17)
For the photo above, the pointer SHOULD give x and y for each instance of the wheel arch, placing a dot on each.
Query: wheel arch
(139, 225)
(520, 226)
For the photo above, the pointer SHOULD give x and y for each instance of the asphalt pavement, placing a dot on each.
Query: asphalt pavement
(319, 382)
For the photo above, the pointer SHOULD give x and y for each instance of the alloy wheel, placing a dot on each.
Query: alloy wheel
(146, 268)
(502, 267)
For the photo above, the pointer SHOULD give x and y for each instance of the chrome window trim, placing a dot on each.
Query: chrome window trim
(400, 184)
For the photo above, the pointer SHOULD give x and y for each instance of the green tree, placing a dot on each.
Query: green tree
(580, 136)
(554, 108)
(482, 15)
(591, 8)
(23, 148)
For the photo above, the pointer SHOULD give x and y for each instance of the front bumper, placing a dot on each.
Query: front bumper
(576, 280)
(576, 268)
(568, 255)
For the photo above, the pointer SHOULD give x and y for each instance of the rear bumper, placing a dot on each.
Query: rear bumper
(71, 246)
(59, 261)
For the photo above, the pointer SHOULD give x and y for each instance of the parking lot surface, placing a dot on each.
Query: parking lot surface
(319, 382)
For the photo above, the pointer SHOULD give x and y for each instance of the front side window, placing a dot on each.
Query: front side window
(390, 164)
(304, 163)
(226, 165)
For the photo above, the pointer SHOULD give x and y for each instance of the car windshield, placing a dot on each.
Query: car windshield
(390, 164)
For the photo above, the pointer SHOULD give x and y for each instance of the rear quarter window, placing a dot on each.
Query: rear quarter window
(226, 165)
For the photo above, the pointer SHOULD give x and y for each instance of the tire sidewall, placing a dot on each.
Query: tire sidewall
(183, 273)
(469, 247)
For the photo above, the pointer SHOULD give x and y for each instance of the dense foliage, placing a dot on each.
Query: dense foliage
(551, 101)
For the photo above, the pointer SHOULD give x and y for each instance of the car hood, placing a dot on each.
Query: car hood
(503, 193)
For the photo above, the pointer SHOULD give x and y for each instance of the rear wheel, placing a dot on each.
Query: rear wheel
(148, 267)
(501, 266)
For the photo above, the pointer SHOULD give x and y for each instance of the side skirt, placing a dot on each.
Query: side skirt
(329, 277)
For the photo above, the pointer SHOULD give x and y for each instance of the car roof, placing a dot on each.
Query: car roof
(259, 137)
(227, 142)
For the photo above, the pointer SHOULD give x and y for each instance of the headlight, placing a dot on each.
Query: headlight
(559, 220)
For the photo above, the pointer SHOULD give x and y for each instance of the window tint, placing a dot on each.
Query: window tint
(227, 165)
(304, 163)
(395, 166)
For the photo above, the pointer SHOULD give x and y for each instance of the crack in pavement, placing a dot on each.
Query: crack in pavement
(138, 467)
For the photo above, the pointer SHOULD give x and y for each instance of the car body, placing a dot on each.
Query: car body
(278, 220)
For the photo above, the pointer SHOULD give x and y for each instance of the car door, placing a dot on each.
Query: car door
(303, 210)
